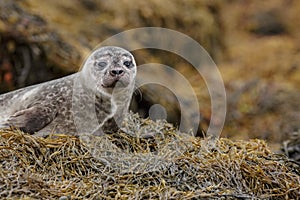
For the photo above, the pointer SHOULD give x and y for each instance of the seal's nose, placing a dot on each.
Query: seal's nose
(116, 72)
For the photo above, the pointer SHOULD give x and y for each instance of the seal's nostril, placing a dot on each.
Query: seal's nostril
(117, 72)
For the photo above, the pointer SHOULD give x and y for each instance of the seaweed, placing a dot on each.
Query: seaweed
(145, 159)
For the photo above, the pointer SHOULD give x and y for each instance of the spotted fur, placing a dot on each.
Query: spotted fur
(54, 106)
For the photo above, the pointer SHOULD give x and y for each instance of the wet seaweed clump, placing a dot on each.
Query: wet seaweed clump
(145, 159)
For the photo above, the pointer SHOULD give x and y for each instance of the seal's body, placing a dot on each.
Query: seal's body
(93, 100)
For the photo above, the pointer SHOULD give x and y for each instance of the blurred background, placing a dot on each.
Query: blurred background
(255, 44)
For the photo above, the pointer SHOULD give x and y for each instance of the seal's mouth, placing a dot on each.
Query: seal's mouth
(111, 80)
(114, 83)
(109, 85)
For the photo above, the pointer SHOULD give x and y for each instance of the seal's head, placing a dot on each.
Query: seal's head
(110, 67)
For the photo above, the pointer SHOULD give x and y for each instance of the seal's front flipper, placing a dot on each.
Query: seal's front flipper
(98, 131)
(32, 119)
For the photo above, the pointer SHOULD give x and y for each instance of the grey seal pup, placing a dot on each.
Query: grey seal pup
(94, 100)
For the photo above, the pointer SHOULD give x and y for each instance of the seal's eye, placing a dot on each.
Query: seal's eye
(102, 64)
(128, 63)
